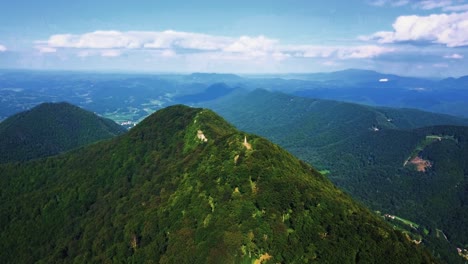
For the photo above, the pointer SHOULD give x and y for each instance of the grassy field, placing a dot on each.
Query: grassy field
(407, 222)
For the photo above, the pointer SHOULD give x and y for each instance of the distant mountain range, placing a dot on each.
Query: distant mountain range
(52, 128)
(447, 96)
(374, 153)
(212, 92)
(184, 186)
(132, 97)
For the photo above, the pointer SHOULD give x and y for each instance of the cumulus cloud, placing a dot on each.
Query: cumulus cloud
(3, 48)
(169, 43)
(450, 30)
(454, 56)
(136, 40)
(94, 40)
(182, 40)
(253, 45)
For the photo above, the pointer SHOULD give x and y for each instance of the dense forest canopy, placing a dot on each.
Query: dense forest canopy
(52, 128)
(165, 193)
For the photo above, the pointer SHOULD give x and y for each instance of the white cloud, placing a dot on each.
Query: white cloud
(255, 46)
(362, 52)
(3, 48)
(340, 52)
(418, 89)
(456, 8)
(171, 43)
(383, 80)
(432, 4)
(136, 40)
(446, 5)
(183, 40)
(83, 53)
(94, 40)
(455, 56)
(447, 29)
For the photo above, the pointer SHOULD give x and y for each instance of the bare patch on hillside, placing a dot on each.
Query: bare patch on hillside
(421, 164)
(201, 136)
(263, 258)
(246, 144)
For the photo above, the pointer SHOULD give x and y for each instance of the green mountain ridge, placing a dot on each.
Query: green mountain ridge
(51, 128)
(363, 149)
(291, 120)
(184, 186)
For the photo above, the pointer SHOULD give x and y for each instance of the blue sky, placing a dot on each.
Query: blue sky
(419, 38)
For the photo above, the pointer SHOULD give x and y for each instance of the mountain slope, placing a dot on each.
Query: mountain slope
(184, 186)
(49, 129)
(363, 150)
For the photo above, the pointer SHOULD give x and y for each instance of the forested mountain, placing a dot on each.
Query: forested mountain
(292, 120)
(401, 162)
(212, 92)
(51, 128)
(184, 186)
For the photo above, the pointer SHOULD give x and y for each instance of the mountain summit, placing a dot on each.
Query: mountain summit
(51, 128)
(184, 186)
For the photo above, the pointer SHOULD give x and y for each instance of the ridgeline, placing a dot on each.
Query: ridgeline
(184, 186)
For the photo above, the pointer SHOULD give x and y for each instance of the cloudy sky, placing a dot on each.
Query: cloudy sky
(418, 38)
